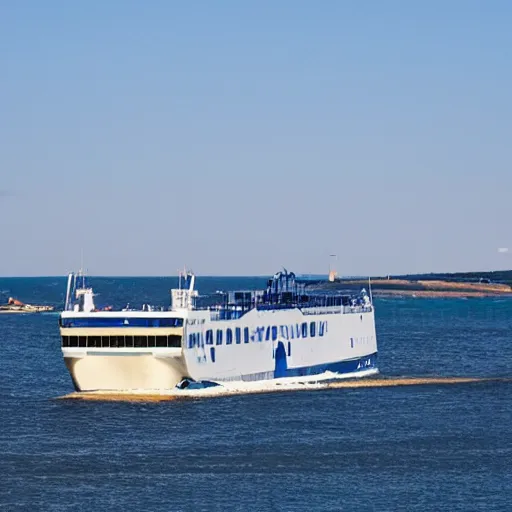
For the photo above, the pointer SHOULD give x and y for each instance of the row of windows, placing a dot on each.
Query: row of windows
(261, 334)
(172, 341)
(194, 339)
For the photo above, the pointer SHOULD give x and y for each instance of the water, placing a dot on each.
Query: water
(436, 447)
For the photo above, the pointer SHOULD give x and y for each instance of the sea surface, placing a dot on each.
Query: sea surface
(417, 448)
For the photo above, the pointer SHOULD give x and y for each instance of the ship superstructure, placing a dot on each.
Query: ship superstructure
(279, 332)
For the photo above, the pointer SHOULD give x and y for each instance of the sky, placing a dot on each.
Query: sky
(240, 137)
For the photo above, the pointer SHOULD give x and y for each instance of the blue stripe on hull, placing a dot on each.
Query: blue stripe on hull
(354, 366)
(364, 363)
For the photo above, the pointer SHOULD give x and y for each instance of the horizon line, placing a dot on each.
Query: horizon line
(299, 275)
(157, 275)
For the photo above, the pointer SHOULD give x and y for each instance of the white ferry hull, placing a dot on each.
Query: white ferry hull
(115, 373)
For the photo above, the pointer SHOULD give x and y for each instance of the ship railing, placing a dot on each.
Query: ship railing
(322, 310)
(329, 310)
(357, 309)
(322, 303)
(236, 312)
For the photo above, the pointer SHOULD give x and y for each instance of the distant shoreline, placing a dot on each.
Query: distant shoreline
(419, 288)
(437, 294)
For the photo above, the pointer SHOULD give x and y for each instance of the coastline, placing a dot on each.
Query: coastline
(424, 294)
(420, 288)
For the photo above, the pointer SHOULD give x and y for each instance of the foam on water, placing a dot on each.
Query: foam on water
(327, 380)
(319, 381)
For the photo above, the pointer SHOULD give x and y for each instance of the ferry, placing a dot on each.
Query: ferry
(278, 333)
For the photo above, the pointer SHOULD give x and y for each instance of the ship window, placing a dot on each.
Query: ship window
(212, 354)
(246, 334)
(151, 341)
(129, 341)
(209, 337)
(94, 341)
(105, 340)
(115, 341)
(219, 337)
(174, 341)
(138, 341)
(238, 335)
(229, 336)
(312, 329)
(321, 328)
(121, 341)
(191, 341)
(82, 341)
(274, 332)
(304, 330)
(161, 341)
(73, 341)
(65, 341)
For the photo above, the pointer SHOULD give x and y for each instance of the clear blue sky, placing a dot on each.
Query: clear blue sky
(237, 137)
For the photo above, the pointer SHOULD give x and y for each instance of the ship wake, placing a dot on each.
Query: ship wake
(324, 381)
